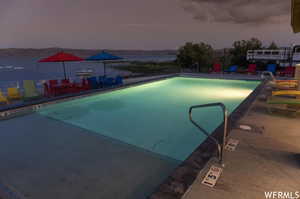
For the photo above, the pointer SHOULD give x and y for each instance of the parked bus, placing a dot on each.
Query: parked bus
(283, 56)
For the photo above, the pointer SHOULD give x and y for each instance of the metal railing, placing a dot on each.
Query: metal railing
(225, 120)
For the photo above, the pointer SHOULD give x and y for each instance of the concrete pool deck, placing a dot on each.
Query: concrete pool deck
(51, 159)
(266, 159)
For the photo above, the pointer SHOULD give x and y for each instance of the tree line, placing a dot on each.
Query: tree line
(201, 56)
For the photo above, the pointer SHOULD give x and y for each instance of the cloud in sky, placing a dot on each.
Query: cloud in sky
(141, 24)
(238, 11)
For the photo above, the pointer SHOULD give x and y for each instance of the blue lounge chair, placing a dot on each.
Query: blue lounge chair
(101, 80)
(108, 81)
(93, 82)
(232, 69)
(119, 80)
(271, 68)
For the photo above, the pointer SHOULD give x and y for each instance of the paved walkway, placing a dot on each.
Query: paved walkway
(267, 159)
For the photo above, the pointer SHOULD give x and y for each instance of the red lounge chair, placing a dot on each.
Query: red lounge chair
(65, 81)
(54, 88)
(53, 82)
(67, 87)
(288, 71)
(217, 68)
(85, 85)
(77, 87)
(251, 69)
(48, 91)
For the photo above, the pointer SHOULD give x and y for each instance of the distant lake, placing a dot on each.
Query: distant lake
(13, 69)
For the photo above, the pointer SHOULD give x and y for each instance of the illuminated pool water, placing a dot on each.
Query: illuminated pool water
(154, 116)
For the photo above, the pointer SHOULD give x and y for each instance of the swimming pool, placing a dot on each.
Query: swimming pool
(119, 144)
(154, 116)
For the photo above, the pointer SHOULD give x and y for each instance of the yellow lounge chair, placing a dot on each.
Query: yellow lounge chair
(3, 99)
(290, 104)
(287, 81)
(285, 86)
(13, 93)
(30, 90)
(291, 82)
(283, 100)
(286, 92)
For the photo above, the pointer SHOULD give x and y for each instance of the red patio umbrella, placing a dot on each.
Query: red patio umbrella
(62, 57)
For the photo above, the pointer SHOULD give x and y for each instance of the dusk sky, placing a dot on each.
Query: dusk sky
(142, 24)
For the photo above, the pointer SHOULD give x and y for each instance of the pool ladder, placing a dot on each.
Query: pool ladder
(225, 120)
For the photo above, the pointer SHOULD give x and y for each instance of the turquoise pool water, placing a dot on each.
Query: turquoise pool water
(154, 116)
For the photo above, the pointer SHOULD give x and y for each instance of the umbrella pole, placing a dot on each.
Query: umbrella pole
(64, 69)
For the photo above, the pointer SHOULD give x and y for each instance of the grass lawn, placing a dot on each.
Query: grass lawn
(150, 67)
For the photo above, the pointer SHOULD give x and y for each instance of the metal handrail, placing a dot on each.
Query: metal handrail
(225, 120)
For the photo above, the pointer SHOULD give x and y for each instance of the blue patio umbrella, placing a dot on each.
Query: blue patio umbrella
(102, 57)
